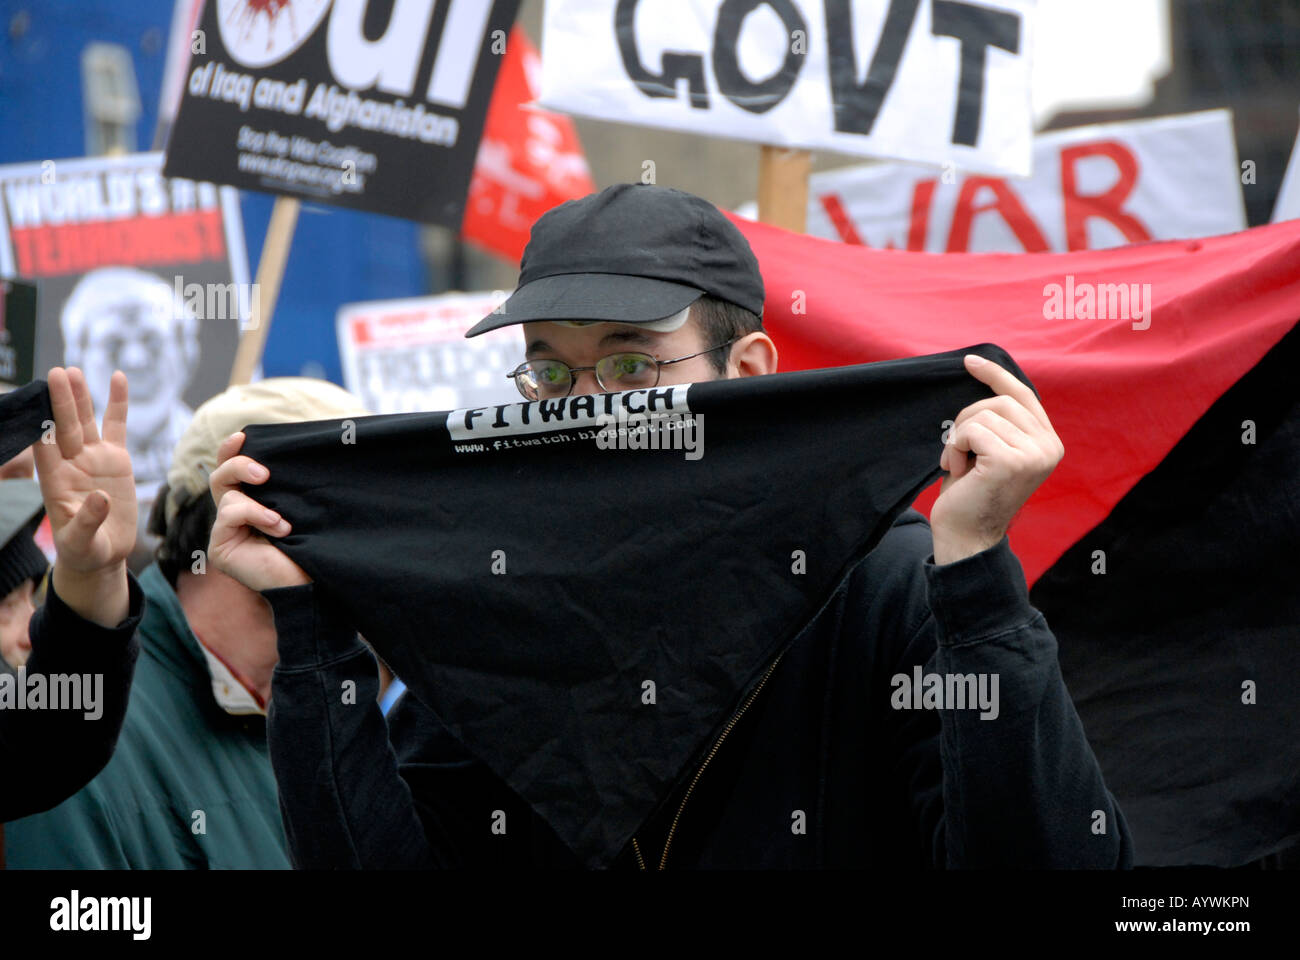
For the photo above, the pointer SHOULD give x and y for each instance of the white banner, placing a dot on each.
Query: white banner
(409, 356)
(931, 81)
(1093, 187)
(1288, 198)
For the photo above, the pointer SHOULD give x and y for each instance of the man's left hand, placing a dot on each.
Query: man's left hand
(1015, 450)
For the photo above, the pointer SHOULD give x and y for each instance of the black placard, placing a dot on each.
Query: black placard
(367, 105)
(17, 332)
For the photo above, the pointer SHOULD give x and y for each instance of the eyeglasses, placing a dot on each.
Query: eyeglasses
(551, 379)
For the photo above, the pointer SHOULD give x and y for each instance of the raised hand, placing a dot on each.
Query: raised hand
(1015, 450)
(89, 494)
(238, 547)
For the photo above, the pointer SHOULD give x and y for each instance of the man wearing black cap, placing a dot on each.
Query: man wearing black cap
(641, 256)
(638, 287)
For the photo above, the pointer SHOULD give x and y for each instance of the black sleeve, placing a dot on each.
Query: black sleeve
(1014, 783)
(361, 792)
(343, 802)
(102, 660)
(478, 820)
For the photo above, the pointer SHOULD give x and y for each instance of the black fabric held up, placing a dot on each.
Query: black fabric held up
(527, 593)
(22, 415)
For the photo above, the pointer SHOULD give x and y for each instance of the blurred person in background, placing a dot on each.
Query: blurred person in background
(22, 467)
(22, 566)
(191, 784)
(85, 626)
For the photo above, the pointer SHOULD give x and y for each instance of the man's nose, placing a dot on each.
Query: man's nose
(134, 355)
(586, 382)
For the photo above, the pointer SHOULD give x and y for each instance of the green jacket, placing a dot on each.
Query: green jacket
(189, 786)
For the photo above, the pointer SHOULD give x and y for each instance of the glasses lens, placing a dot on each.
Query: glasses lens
(543, 379)
(627, 371)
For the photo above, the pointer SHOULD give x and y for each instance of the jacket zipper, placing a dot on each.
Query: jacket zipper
(735, 718)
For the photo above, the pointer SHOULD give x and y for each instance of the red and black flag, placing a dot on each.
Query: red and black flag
(1162, 549)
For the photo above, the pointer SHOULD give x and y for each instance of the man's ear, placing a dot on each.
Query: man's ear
(752, 356)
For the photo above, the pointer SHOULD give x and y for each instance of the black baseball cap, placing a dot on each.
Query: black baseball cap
(632, 253)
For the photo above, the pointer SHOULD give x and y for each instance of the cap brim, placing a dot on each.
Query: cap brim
(611, 297)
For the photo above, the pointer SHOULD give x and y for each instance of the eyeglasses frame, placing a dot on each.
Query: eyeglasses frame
(574, 371)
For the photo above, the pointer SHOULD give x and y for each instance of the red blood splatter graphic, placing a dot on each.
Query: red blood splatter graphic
(250, 10)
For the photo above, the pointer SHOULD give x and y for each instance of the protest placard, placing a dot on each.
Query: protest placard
(17, 333)
(134, 271)
(1093, 187)
(406, 356)
(935, 82)
(348, 103)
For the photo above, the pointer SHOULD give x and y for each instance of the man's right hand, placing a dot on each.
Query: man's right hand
(89, 496)
(237, 547)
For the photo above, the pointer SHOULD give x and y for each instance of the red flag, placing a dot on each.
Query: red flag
(1120, 391)
(528, 161)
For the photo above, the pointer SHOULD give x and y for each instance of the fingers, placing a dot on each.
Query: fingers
(1014, 415)
(47, 457)
(982, 439)
(236, 510)
(1006, 431)
(230, 446)
(67, 425)
(115, 412)
(79, 534)
(1004, 382)
(232, 473)
(224, 478)
(85, 406)
(956, 464)
(985, 434)
(1006, 407)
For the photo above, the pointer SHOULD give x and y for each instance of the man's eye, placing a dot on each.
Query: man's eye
(550, 375)
(629, 365)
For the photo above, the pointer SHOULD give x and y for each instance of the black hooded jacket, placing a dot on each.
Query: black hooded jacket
(830, 760)
(48, 755)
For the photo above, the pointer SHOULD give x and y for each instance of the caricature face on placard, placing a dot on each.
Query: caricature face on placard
(123, 318)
